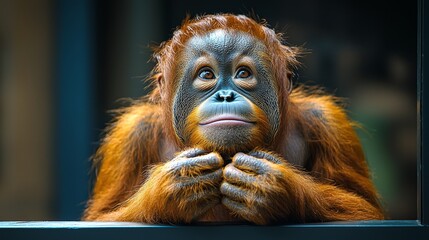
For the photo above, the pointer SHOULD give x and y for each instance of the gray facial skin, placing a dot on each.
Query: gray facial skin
(225, 75)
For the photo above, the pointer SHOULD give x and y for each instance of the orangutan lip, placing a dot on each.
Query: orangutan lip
(226, 120)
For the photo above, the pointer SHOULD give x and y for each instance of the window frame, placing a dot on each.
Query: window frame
(422, 113)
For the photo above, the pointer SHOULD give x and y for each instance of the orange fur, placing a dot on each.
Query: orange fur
(135, 182)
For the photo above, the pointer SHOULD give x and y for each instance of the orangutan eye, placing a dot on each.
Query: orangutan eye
(243, 73)
(206, 74)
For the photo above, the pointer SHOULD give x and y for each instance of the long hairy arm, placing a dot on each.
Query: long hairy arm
(129, 147)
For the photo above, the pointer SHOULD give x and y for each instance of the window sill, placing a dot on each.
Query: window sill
(391, 229)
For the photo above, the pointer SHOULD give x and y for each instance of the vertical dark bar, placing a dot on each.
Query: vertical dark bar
(422, 71)
(75, 106)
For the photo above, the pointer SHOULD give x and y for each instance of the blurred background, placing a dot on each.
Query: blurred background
(65, 64)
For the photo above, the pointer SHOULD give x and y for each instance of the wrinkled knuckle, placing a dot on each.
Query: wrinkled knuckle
(183, 153)
(237, 157)
(172, 168)
(228, 171)
(256, 153)
(218, 158)
(228, 168)
(223, 188)
(192, 152)
(211, 156)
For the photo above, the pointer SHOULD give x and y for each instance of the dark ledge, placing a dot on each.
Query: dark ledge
(390, 229)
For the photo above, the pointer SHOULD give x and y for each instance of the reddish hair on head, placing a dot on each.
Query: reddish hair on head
(283, 58)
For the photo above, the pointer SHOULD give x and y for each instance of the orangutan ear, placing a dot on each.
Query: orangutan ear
(159, 78)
